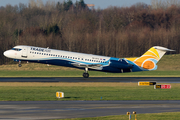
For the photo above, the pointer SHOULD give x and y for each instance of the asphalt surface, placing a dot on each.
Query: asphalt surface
(80, 109)
(92, 79)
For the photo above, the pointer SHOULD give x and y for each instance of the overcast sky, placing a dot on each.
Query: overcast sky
(98, 3)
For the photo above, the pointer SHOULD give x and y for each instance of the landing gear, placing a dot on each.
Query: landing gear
(19, 64)
(86, 74)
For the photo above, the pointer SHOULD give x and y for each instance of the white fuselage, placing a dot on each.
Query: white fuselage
(44, 55)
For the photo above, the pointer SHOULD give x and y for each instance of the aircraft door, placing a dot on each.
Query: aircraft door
(24, 52)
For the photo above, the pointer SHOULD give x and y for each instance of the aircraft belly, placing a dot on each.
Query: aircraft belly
(111, 69)
(53, 62)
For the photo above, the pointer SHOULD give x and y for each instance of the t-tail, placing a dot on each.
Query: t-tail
(149, 59)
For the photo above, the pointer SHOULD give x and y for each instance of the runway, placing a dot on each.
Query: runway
(81, 109)
(91, 79)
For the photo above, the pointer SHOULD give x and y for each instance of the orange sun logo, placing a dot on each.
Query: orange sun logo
(148, 65)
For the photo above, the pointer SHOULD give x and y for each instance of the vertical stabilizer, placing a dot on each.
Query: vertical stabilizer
(149, 59)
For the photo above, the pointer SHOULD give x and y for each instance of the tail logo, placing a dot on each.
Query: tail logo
(148, 60)
(148, 65)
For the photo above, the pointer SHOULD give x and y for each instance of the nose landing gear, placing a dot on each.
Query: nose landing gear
(19, 64)
(86, 74)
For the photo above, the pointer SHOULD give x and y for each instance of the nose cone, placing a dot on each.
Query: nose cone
(7, 53)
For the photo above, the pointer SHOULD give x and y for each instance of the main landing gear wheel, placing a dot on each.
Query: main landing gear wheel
(86, 74)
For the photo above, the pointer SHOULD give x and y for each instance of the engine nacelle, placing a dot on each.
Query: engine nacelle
(121, 64)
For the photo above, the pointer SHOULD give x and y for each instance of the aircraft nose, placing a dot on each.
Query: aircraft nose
(6, 53)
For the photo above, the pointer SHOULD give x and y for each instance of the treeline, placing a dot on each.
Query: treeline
(114, 31)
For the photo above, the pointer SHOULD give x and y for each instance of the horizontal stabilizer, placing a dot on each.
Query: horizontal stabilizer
(162, 48)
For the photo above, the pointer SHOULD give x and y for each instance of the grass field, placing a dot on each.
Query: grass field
(85, 91)
(168, 66)
(154, 116)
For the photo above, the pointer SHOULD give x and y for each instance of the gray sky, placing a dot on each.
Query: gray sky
(98, 3)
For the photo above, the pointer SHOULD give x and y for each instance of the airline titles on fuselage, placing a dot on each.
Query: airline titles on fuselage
(40, 49)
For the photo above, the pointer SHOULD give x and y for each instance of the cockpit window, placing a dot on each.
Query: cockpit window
(16, 49)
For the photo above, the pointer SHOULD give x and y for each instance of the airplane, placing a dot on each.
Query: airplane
(146, 62)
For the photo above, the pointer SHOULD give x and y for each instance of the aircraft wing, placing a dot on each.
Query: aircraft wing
(86, 65)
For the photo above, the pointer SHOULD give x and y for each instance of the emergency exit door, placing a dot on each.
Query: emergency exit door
(24, 52)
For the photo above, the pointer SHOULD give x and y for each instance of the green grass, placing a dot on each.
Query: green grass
(169, 63)
(153, 116)
(86, 91)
